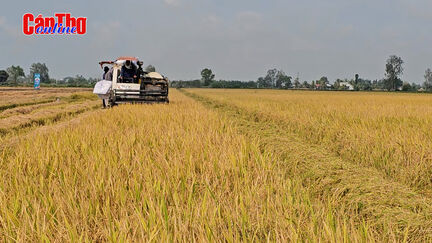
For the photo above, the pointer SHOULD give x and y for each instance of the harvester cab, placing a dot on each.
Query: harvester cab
(132, 84)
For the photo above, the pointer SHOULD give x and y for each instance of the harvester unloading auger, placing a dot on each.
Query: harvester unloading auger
(142, 87)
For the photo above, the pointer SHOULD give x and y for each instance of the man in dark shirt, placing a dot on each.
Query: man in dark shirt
(128, 71)
(109, 74)
(106, 69)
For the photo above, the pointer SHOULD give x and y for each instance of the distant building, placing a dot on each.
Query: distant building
(347, 85)
(323, 87)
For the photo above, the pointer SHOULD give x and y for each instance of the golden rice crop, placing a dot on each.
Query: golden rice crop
(200, 172)
(364, 193)
(390, 132)
(40, 116)
(42, 112)
(16, 97)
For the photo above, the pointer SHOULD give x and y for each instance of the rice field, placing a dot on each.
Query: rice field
(216, 165)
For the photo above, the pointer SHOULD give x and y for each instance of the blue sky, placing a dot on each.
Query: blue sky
(238, 39)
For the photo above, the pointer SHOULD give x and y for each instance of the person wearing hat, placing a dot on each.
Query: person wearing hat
(128, 71)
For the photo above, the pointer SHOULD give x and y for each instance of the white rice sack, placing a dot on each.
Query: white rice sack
(102, 87)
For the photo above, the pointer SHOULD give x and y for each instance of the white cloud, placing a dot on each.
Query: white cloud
(212, 20)
(418, 8)
(315, 37)
(249, 20)
(105, 35)
(249, 16)
(172, 3)
(4, 26)
(14, 32)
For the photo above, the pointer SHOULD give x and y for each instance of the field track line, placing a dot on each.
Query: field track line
(50, 99)
(58, 122)
(365, 194)
(10, 112)
(11, 106)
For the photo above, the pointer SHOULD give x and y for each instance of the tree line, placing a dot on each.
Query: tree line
(274, 79)
(15, 75)
(278, 79)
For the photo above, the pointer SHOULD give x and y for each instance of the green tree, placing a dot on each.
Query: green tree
(406, 87)
(394, 69)
(297, 83)
(283, 80)
(428, 79)
(42, 69)
(150, 68)
(275, 79)
(363, 84)
(261, 83)
(207, 76)
(3, 76)
(323, 82)
(337, 84)
(378, 84)
(15, 72)
(415, 87)
(271, 77)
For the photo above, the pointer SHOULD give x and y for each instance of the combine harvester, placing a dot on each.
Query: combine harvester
(142, 87)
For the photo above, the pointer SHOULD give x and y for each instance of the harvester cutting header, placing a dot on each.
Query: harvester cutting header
(126, 82)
